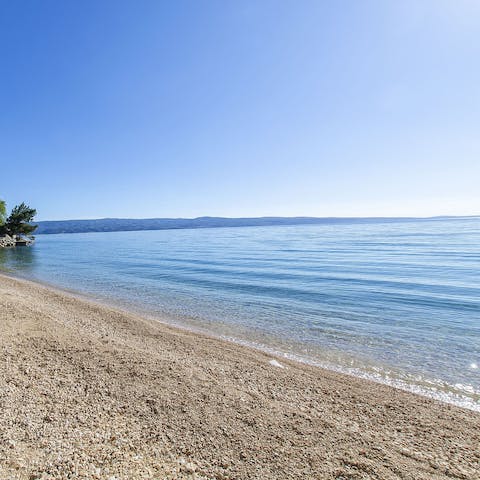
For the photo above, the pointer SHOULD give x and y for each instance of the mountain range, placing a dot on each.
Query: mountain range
(128, 224)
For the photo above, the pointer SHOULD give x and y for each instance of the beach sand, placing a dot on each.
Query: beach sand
(91, 392)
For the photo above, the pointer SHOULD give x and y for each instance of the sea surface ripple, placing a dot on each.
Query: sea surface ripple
(396, 302)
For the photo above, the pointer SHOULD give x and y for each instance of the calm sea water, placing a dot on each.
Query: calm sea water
(396, 302)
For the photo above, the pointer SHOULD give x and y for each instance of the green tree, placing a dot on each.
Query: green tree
(3, 212)
(19, 221)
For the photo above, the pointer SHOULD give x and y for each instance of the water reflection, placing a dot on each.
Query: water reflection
(17, 259)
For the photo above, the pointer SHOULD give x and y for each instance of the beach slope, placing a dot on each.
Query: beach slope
(91, 392)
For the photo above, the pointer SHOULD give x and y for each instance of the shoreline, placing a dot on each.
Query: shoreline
(95, 392)
(437, 394)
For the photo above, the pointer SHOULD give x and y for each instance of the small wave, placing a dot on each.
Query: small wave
(464, 396)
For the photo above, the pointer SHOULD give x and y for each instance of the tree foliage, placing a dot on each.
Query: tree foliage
(3, 212)
(19, 220)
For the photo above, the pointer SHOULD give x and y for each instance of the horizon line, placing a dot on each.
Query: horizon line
(333, 217)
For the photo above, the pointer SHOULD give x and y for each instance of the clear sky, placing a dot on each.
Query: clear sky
(240, 108)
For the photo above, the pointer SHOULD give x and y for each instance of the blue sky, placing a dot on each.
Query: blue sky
(240, 108)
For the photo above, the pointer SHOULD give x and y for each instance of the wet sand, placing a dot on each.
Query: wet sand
(92, 392)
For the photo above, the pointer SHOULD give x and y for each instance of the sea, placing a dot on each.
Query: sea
(395, 302)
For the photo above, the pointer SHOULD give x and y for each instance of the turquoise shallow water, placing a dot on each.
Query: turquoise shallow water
(397, 302)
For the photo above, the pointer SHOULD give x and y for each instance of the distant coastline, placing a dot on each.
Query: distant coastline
(127, 224)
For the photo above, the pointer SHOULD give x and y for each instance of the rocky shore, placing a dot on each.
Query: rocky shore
(90, 392)
(7, 241)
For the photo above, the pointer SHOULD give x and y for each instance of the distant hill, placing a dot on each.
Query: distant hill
(127, 224)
